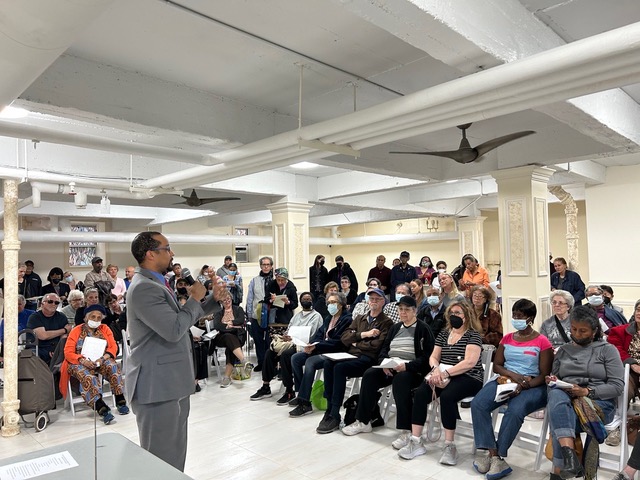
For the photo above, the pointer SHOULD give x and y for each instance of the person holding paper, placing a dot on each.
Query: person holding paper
(410, 342)
(594, 369)
(282, 297)
(281, 353)
(326, 340)
(523, 359)
(364, 339)
(91, 350)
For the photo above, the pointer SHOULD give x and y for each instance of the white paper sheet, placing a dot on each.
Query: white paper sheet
(93, 348)
(390, 363)
(210, 335)
(196, 332)
(503, 391)
(339, 356)
(38, 466)
(300, 343)
(279, 301)
(300, 332)
(560, 384)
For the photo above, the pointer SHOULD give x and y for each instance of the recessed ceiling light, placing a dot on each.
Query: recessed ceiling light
(305, 165)
(13, 112)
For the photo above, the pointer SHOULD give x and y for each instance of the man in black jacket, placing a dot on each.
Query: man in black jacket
(343, 269)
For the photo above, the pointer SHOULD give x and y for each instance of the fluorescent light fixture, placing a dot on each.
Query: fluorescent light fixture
(451, 181)
(305, 165)
(13, 112)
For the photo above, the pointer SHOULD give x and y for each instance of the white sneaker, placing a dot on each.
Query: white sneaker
(413, 449)
(499, 469)
(613, 439)
(482, 462)
(226, 381)
(356, 428)
(402, 441)
(449, 455)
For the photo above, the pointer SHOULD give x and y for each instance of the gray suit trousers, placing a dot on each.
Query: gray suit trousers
(162, 427)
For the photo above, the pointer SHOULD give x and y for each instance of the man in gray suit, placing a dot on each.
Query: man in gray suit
(159, 371)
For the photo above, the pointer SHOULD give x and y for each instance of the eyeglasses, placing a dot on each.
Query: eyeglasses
(556, 304)
(167, 248)
(57, 302)
(478, 295)
(265, 264)
(457, 313)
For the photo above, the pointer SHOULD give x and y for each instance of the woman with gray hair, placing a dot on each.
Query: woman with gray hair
(557, 328)
(76, 300)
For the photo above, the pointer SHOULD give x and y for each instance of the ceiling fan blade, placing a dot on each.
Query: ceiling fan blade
(219, 199)
(486, 147)
(460, 156)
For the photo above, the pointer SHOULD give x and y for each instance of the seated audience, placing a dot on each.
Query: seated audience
(483, 300)
(49, 325)
(91, 297)
(230, 324)
(311, 359)
(281, 353)
(55, 285)
(391, 308)
(70, 280)
(410, 342)
(524, 359)
(608, 316)
(76, 300)
(564, 279)
(626, 339)
(594, 370)
(557, 328)
(23, 319)
(320, 304)
(456, 360)
(607, 293)
(451, 293)
(425, 271)
(361, 303)
(364, 339)
(432, 312)
(441, 267)
(417, 291)
(86, 370)
(345, 287)
(120, 287)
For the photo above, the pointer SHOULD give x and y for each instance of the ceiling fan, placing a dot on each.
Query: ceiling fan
(466, 153)
(193, 200)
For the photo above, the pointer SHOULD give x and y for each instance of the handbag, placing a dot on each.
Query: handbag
(279, 345)
(317, 395)
(633, 426)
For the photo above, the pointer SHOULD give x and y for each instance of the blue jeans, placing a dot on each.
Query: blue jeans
(520, 406)
(303, 380)
(563, 421)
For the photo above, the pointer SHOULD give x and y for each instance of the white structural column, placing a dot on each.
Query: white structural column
(524, 236)
(11, 247)
(571, 214)
(290, 221)
(470, 234)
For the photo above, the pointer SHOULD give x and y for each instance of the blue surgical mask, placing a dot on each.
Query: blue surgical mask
(366, 297)
(332, 308)
(519, 323)
(399, 296)
(433, 300)
(595, 300)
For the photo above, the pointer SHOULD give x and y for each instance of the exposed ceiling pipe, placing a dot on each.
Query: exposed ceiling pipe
(593, 64)
(55, 178)
(50, 135)
(66, 189)
(34, 236)
(35, 33)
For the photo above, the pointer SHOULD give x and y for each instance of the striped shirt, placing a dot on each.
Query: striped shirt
(453, 354)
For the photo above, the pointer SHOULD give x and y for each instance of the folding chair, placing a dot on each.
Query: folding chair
(78, 400)
(608, 461)
(216, 361)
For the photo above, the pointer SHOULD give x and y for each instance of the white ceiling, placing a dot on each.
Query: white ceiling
(205, 80)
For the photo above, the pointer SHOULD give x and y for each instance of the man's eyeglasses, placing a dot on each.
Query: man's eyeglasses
(57, 302)
(265, 264)
(556, 304)
(167, 248)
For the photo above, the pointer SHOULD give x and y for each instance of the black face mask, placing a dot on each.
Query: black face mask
(321, 262)
(55, 281)
(582, 341)
(607, 300)
(339, 264)
(182, 291)
(456, 321)
(306, 304)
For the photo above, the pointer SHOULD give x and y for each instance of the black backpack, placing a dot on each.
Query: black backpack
(351, 407)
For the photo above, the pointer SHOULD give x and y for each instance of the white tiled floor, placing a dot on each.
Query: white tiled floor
(231, 437)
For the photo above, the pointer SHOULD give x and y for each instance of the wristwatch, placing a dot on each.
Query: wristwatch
(592, 393)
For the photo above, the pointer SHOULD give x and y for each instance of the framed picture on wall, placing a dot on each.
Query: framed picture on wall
(81, 253)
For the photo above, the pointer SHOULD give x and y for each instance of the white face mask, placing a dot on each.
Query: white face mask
(441, 270)
(69, 278)
(93, 324)
(595, 300)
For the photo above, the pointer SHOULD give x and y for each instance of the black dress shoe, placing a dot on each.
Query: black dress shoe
(257, 368)
(572, 467)
(198, 388)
